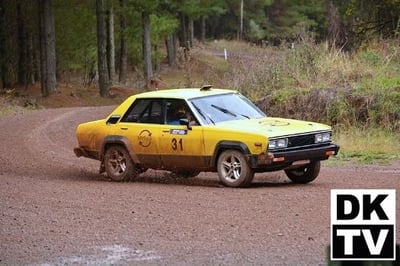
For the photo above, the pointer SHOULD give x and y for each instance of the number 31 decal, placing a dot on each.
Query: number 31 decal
(177, 144)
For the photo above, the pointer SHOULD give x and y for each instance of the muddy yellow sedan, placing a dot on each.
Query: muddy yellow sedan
(187, 131)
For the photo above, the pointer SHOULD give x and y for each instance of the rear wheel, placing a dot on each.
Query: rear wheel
(118, 164)
(233, 169)
(304, 174)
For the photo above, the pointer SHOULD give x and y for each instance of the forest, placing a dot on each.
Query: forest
(49, 41)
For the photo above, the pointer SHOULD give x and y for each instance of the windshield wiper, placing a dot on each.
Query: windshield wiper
(226, 111)
(202, 114)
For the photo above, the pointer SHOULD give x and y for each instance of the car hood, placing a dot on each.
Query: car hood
(274, 127)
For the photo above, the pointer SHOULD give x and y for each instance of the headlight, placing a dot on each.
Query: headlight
(323, 137)
(277, 143)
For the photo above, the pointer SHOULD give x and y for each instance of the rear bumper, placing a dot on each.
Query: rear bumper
(284, 159)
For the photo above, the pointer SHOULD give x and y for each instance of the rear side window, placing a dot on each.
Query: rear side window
(147, 111)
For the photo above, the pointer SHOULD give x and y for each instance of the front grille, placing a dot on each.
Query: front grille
(298, 141)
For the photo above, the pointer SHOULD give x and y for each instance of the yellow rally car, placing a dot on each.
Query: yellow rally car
(187, 131)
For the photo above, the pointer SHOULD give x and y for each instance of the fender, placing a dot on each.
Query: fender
(119, 140)
(231, 145)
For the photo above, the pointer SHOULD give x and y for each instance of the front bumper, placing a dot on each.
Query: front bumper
(285, 158)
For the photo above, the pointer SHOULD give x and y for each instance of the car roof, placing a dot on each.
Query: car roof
(184, 93)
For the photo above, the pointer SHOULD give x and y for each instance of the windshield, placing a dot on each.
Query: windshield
(225, 107)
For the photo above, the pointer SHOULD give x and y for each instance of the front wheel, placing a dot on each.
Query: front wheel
(118, 164)
(304, 174)
(233, 169)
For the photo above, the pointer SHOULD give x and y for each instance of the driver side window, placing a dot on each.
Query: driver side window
(176, 109)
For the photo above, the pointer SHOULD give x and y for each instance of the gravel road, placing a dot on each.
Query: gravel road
(55, 209)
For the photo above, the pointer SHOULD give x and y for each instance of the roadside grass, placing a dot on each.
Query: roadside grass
(231, 46)
(8, 110)
(366, 146)
(8, 105)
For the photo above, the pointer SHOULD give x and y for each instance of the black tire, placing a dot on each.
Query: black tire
(233, 169)
(304, 174)
(118, 164)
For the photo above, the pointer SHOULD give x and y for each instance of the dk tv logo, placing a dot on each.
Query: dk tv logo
(363, 224)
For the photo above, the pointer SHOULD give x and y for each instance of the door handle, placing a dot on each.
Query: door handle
(124, 128)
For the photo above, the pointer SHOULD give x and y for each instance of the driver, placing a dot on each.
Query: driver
(180, 113)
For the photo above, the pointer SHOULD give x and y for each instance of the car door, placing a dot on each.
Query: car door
(141, 125)
(180, 147)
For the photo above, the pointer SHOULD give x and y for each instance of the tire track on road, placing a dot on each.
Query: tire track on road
(34, 145)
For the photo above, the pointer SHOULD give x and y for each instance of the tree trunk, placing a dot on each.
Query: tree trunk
(30, 59)
(157, 61)
(2, 43)
(183, 39)
(47, 48)
(171, 52)
(190, 32)
(104, 82)
(123, 61)
(22, 47)
(36, 62)
(241, 21)
(203, 29)
(146, 43)
(110, 42)
(339, 35)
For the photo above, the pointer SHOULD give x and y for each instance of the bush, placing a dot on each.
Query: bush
(314, 83)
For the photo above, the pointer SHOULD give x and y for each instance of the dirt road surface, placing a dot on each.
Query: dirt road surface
(55, 209)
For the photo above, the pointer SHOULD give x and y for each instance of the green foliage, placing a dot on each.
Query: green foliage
(162, 26)
(283, 22)
(255, 32)
(134, 35)
(372, 19)
(370, 146)
(212, 7)
(75, 34)
(370, 57)
(384, 94)
(282, 97)
(314, 83)
(284, 17)
(191, 8)
(144, 5)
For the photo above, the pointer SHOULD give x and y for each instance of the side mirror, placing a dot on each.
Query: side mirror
(185, 122)
(113, 119)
